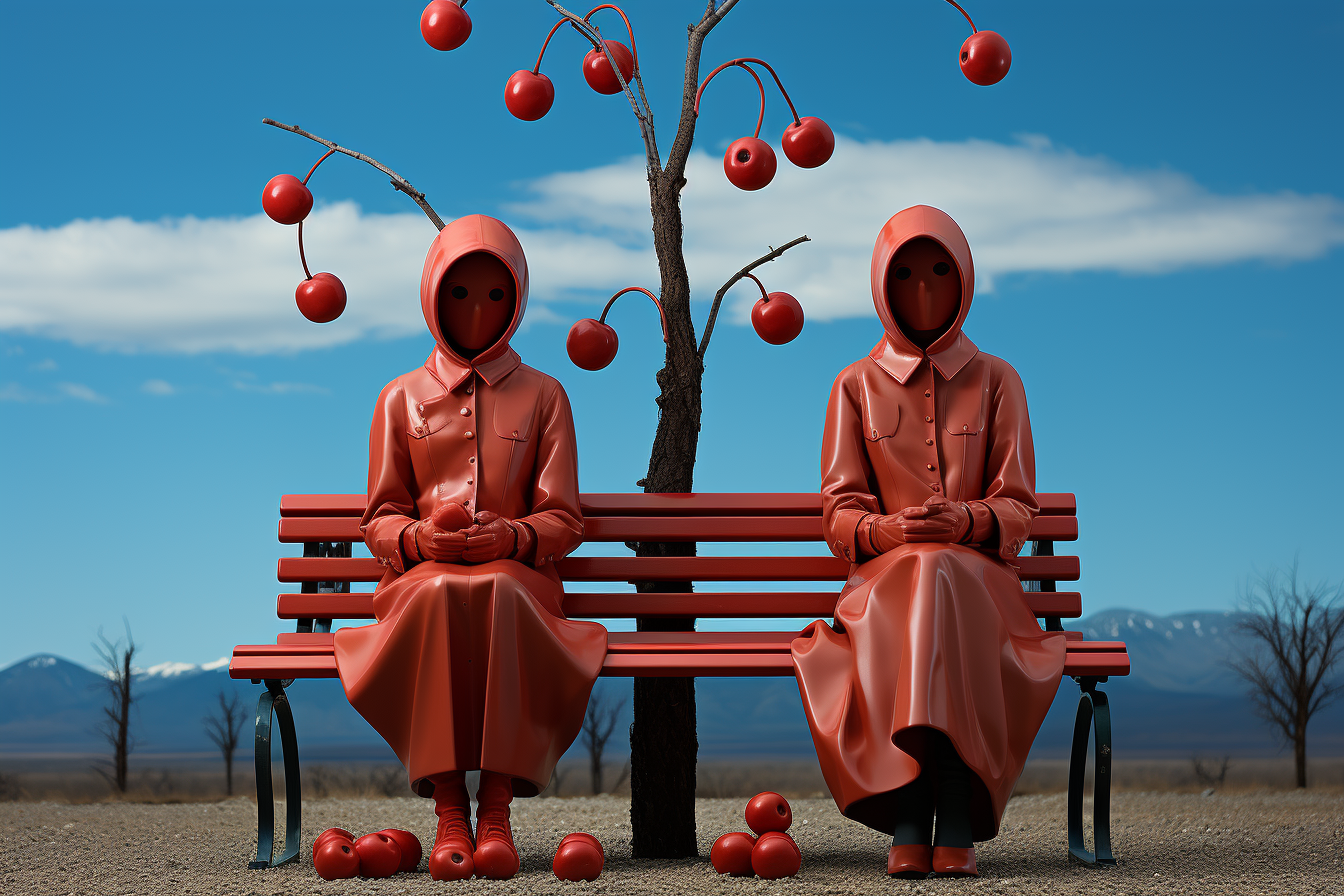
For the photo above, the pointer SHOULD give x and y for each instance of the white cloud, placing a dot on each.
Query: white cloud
(191, 285)
(81, 392)
(157, 387)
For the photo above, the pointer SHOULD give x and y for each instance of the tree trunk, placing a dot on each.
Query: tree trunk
(663, 744)
(1300, 755)
(228, 773)
(123, 724)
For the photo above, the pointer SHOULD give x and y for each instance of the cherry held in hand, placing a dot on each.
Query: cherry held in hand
(451, 517)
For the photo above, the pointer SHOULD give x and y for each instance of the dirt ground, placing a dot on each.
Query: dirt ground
(1167, 844)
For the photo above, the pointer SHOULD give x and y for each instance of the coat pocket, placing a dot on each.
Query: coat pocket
(966, 408)
(881, 417)
(514, 416)
(425, 417)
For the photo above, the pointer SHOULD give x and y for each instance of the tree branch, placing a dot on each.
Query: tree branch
(681, 145)
(398, 182)
(718, 297)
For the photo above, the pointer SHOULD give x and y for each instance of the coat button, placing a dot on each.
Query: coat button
(931, 466)
(470, 481)
(928, 394)
(469, 434)
(874, 433)
(515, 433)
(471, 460)
(421, 408)
(928, 419)
(469, 390)
(928, 441)
(465, 412)
(937, 487)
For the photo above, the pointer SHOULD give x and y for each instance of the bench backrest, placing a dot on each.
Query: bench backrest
(328, 524)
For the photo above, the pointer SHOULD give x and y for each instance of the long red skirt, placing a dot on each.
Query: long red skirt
(472, 667)
(926, 636)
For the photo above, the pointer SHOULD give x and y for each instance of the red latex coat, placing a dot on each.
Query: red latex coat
(473, 666)
(927, 635)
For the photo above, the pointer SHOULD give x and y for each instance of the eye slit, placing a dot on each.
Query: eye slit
(941, 268)
(902, 273)
(496, 295)
(459, 292)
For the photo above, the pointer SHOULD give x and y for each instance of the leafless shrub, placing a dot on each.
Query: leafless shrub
(1205, 774)
(224, 726)
(115, 727)
(599, 722)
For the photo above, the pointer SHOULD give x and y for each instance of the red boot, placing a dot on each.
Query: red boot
(451, 858)
(496, 857)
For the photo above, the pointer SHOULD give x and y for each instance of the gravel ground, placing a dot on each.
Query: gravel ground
(1167, 844)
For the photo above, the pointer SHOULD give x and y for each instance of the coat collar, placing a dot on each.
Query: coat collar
(451, 373)
(901, 363)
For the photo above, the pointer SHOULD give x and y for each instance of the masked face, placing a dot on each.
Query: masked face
(924, 289)
(477, 299)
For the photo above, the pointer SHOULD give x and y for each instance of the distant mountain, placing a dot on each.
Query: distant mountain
(1180, 699)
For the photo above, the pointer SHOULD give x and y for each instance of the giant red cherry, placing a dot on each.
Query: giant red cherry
(286, 200)
(451, 517)
(731, 854)
(445, 25)
(579, 857)
(808, 142)
(335, 859)
(778, 318)
(775, 855)
(769, 811)
(321, 299)
(591, 344)
(411, 850)
(529, 95)
(597, 70)
(749, 163)
(379, 855)
(985, 57)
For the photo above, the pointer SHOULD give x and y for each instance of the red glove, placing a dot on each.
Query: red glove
(939, 520)
(492, 538)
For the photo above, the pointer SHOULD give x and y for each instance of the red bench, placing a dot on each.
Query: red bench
(328, 525)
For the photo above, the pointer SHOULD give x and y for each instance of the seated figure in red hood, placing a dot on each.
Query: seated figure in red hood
(926, 692)
(473, 495)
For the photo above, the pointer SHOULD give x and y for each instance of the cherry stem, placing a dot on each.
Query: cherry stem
(628, 30)
(741, 61)
(537, 68)
(964, 13)
(314, 168)
(765, 295)
(745, 272)
(658, 304)
(307, 274)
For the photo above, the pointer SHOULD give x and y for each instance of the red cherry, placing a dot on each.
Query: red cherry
(597, 70)
(332, 834)
(985, 57)
(749, 163)
(769, 811)
(451, 517)
(321, 299)
(286, 200)
(808, 142)
(335, 859)
(581, 835)
(732, 854)
(445, 25)
(591, 344)
(578, 859)
(778, 318)
(775, 855)
(529, 95)
(410, 848)
(379, 855)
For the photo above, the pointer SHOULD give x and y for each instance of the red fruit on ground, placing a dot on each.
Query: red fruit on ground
(732, 854)
(775, 855)
(749, 163)
(321, 299)
(451, 517)
(583, 835)
(778, 318)
(379, 855)
(529, 95)
(286, 200)
(409, 844)
(769, 811)
(335, 859)
(808, 142)
(332, 834)
(985, 58)
(578, 858)
(597, 70)
(591, 344)
(445, 25)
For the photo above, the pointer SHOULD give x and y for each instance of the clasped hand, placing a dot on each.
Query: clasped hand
(937, 520)
(489, 537)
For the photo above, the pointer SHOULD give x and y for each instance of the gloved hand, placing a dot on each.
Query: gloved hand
(441, 537)
(491, 538)
(939, 520)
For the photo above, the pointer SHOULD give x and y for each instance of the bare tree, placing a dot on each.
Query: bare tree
(224, 726)
(598, 724)
(116, 724)
(1206, 776)
(1295, 631)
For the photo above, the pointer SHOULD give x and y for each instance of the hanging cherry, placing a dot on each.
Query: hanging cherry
(529, 95)
(985, 57)
(321, 298)
(286, 200)
(749, 163)
(808, 142)
(597, 70)
(776, 316)
(445, 25)
(592, 343)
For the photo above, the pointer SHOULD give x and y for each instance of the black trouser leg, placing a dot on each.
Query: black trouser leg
(914, 811)
(954, 796)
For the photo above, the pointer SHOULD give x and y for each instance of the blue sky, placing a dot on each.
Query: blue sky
(1153, 197)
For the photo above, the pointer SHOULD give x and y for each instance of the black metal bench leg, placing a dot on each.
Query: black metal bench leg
(274, 702)
(1093, 711)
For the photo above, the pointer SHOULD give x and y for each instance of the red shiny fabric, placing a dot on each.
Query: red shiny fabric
(927, 635)
(473, 666)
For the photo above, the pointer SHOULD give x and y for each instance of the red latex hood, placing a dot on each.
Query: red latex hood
(472, 233)
(920, 221)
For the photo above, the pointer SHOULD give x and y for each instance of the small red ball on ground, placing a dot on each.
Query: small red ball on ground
(578, 858)
(775, 855)
(379, 855)
(411, 851)
(731, 854)
(335, 859)
(768, 811)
